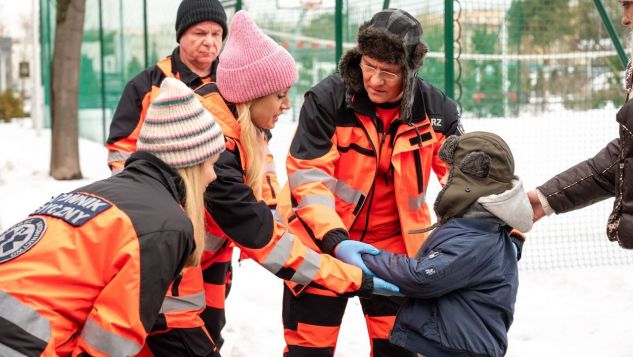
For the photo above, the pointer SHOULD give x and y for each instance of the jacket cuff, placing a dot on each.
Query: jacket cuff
(331, 239)
(366, 288)
(546, 207)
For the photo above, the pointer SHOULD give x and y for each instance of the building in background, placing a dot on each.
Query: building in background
(7, 76)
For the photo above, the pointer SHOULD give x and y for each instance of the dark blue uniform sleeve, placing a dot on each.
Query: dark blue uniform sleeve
(444, 269)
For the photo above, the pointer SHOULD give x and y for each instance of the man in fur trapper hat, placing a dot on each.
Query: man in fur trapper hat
(358, 170)
(390, 41)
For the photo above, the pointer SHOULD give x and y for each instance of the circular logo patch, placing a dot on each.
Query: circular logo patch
(21, 237)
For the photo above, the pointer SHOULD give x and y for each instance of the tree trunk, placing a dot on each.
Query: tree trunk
(65, 88)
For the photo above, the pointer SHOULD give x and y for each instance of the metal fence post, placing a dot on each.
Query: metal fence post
(449, 50)
(338, 21)
(611, 30)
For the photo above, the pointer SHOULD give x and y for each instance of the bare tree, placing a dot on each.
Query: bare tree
(65, 88)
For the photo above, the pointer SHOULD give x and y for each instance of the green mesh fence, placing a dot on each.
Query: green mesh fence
(544, 74)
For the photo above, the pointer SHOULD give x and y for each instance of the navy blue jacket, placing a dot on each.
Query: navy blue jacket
(462, 290)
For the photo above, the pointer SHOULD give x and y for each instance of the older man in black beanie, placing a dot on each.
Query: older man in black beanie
(358, 170)
(200, 29)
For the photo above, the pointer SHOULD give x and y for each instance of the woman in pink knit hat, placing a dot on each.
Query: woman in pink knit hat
(253, 79)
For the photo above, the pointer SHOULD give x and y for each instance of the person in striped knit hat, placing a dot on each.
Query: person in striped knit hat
(183, 134)
(608, 174)
(179, 131)
(87, 273)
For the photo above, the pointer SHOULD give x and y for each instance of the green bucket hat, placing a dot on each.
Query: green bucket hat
(481, 164)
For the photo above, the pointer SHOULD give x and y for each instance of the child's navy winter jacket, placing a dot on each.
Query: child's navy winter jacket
(463, 287)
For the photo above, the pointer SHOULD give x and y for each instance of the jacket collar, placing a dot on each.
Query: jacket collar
(151, 166)
(185, 74)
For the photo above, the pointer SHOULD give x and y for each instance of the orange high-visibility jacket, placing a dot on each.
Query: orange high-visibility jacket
(237, 215)
(185, 299)
(332, 164)
(87, 272)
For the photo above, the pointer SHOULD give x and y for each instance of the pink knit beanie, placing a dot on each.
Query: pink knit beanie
(252, 65)
(178, 129)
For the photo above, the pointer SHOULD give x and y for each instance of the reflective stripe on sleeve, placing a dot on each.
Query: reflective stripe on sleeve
(270, 168)
(415, 203)
(213, 243)
(183, 303)
(27, 318)
(114, 156)
(10, 352)
(106, 341)
(317, 200)
(339, 188)
(308, 269)
(280, 254)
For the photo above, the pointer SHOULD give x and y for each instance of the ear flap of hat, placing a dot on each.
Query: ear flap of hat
(448, 149)
(476, 163)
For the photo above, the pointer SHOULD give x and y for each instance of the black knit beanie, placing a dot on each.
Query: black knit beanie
(191, 12)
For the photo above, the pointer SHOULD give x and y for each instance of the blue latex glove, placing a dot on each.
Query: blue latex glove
(382, 287)
(350, 252)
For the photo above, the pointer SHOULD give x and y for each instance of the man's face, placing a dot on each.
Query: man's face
(627, 13)
(382, 81)
(201, 44)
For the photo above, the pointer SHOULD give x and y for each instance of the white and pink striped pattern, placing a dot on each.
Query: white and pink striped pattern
(178, 129)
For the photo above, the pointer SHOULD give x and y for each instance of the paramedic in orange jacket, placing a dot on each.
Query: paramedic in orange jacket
(237, 212)
(358, 169)
(86, 273)
(196, 299)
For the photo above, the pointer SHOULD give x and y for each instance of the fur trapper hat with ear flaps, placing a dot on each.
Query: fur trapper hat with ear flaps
(391, 36)
(481, 164)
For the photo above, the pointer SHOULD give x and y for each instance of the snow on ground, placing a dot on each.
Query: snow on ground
(559, 312)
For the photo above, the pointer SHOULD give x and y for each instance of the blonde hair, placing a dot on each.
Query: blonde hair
(254, 143)
(192, 178)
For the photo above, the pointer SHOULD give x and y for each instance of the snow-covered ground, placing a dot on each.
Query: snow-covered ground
(559, 312)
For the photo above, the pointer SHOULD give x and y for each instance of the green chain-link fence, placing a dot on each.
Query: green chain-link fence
(530, 69)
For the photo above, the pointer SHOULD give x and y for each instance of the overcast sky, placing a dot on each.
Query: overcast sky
(12, 13)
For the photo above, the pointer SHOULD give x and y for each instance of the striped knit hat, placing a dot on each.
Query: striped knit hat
(178, 129)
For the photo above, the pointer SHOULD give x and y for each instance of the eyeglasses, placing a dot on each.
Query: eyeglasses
(386, 75)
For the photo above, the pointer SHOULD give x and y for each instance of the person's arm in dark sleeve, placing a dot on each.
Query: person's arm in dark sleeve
(250, 224)
(443, 270)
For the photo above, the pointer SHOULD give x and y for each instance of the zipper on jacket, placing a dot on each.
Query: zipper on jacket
(370, 194)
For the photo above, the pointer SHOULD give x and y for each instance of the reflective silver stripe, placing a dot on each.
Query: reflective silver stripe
(270, 167)
(114, 156)
(301, 177)
(415, 203)
(339, 188)
(9, 352)
(183, 303)
(308, 269)
(27, 318)
(347, 194)
(280, 254)
(107, 342)
(317, 200)
(212, 242)
(276, 215)
(116, 170)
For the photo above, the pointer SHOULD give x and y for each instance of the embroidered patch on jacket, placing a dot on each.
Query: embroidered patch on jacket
(74, 208)
(18, 239)
(433, 254)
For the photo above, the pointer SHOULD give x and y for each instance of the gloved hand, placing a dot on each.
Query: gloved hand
(350, 252)
(383, 287)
